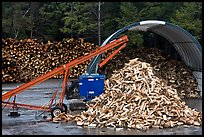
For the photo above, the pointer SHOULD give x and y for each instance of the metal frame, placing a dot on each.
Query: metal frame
(60, 70)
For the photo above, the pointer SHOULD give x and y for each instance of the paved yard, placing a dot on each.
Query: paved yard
(30, 122)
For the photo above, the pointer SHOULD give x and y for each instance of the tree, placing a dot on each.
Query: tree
(51, 14)
(56, 20)
(129, 15)
(158, 10)
(7, 22)
(80, 19)
(34, 19)
(18, 19)
(110, 11)
(189, 17)
(13, 21)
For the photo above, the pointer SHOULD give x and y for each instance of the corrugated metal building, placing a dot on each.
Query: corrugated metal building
(185, 44)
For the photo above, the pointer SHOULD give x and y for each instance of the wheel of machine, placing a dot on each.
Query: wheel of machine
(56, 111)
(64, 107)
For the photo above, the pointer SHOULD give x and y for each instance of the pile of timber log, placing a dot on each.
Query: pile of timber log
(24, 60)
(135, 98)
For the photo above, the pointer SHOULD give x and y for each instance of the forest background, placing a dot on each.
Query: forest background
(94, 21)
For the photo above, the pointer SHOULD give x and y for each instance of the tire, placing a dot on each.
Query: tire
(56, 111)
(64, 107)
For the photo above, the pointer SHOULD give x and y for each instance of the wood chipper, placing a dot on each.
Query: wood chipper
(88, 85)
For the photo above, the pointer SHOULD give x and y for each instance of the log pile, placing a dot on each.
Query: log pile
(24, 60)
(176, 73)
(135, 98)
(27, 59)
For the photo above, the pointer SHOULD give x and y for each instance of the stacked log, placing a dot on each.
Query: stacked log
(135, 98)
(9, 60)
(24, 60)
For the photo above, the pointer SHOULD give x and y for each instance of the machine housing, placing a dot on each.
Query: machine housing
(91, 85)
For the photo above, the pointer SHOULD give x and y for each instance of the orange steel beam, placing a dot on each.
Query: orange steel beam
(11, 105)
(63, 68)
(53, 97)
(64, 87)
(113, 54)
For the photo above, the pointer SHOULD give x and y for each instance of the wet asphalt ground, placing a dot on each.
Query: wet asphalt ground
(32, 122)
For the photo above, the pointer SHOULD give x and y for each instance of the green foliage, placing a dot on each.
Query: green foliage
(51, 14)
(6, 21)
(110, 11)
(18, 19)
(128, 16)
(57, 20)
(135, 39)
(78, 19)
(190, 18)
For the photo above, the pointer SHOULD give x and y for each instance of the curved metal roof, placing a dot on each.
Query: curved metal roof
(186, 45)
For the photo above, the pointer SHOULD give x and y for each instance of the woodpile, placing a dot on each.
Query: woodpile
(135, 98)
(27, 59)
(176, 73)
(24, 60)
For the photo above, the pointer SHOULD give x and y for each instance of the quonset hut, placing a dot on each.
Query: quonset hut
(184, 43)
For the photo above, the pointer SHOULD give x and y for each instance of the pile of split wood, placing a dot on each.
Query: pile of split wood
(27, 59)
(176, 73)
(135, 98)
